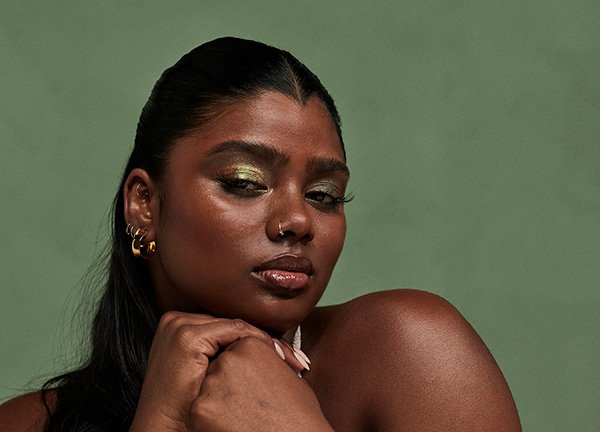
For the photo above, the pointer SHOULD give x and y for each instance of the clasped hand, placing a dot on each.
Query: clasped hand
(212, 374)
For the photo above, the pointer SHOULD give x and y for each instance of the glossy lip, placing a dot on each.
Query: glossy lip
(285, 275)
(287, 262)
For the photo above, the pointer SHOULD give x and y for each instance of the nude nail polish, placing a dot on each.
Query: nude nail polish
(279, 350)
(301, 359)
(301, 354)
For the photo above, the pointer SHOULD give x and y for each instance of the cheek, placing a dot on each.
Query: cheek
(201, 220)
(333, 237)
(205, 241)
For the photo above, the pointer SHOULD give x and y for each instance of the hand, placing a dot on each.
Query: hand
(247, 388)
(182, 348)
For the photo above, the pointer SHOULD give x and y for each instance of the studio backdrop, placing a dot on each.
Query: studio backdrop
(473, 137)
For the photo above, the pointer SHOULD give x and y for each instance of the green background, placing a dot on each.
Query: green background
(472, 130)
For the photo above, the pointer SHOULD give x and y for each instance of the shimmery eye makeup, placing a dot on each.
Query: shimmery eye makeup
(243, 180)
(247, 172)
(326, 197)
(248, 180)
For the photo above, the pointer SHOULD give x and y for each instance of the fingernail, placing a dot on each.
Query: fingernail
(279, 350)
(301, 354)
(301, 360)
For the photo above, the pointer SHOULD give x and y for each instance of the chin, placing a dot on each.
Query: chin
(273, 320)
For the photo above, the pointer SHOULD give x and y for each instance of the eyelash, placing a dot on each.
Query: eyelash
(237, 185)
(240, 187)
(335, 201)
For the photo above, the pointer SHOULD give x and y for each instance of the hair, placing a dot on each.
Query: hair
(103, 393)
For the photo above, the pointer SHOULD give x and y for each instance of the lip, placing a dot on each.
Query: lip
(286, 274)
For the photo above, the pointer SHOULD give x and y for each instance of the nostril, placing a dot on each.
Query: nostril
(292, 222)
(295, 231)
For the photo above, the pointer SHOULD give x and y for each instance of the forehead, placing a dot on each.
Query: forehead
(272, 119)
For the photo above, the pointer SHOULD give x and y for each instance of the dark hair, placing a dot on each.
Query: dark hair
(102, 395)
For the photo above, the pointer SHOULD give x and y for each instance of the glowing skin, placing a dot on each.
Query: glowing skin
(227, 187)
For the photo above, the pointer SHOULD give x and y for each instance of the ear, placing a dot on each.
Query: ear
(141, 205)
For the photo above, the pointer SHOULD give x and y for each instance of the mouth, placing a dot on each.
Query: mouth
(285, 275)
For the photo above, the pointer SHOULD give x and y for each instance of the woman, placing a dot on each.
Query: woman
(227, 226)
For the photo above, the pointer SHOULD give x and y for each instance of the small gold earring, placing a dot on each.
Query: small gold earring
(143, 249)
(139, 247)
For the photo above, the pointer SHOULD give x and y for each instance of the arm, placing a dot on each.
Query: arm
(207, 373)
(184, 346)
(247, 389)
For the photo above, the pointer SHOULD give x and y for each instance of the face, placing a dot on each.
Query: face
(251, 219)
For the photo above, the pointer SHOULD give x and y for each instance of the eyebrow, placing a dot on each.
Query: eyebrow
(271, 155)
(259, 150)
(328, 165)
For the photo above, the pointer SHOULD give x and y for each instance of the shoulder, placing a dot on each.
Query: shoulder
(25, 413)
(404, 304)
(415, 328)
(405, 314)
(419, 361)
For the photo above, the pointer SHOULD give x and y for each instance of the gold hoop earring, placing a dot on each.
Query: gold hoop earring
(139, 247)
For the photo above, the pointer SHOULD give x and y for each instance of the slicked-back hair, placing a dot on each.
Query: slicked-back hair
(102, 394)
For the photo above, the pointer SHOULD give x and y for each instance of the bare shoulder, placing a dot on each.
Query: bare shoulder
(419, 361)
(403, 304)
(387, 316)
(25, 413)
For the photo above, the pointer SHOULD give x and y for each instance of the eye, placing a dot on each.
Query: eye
(321, 197)
(327, 199)
(242, 186)
(243, 179)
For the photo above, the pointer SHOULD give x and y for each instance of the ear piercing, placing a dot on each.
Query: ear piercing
(139, 247)
(141, 193)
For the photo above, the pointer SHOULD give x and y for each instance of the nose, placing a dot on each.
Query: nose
(291, 220)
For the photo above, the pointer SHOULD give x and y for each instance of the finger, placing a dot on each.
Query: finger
(211, 337)
(186, 318)
(179, 319)
(297, 360)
